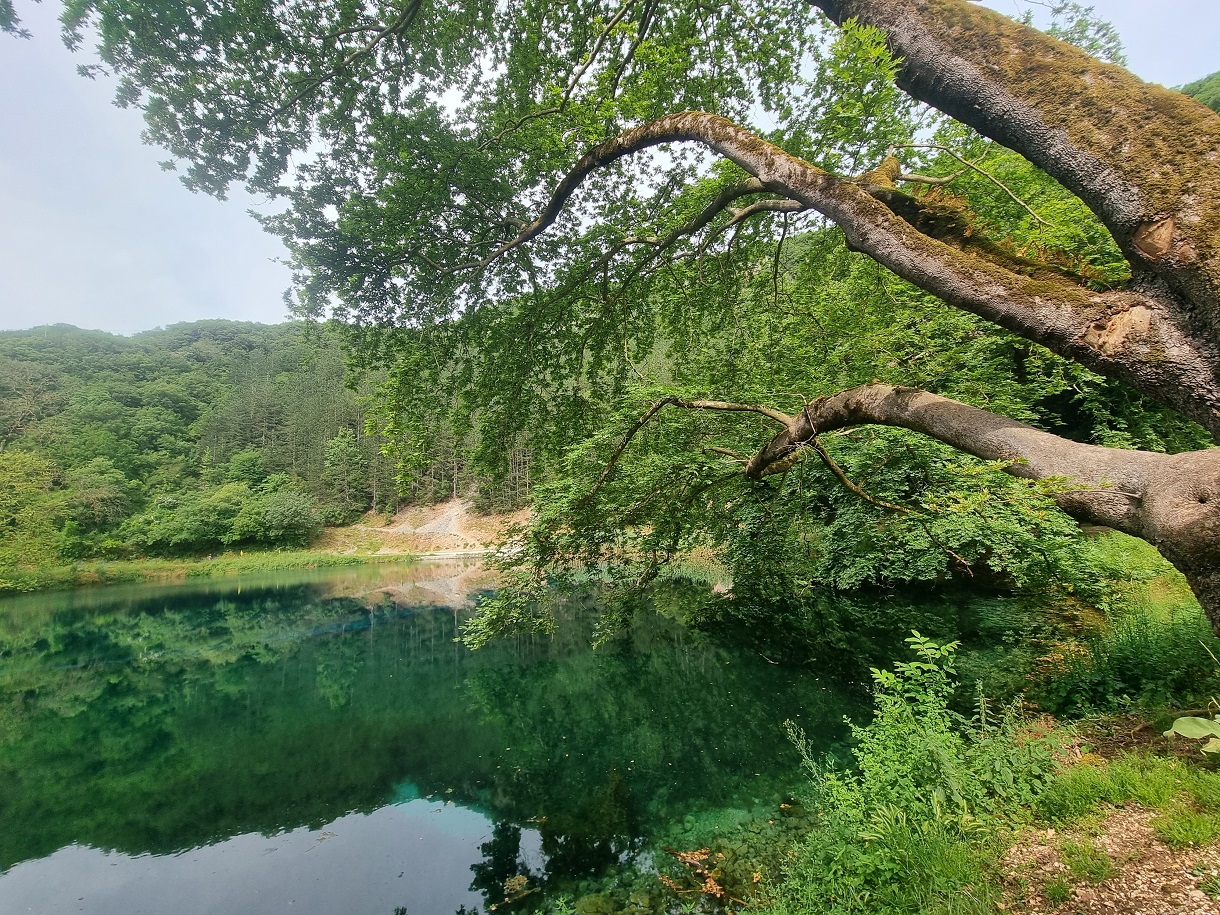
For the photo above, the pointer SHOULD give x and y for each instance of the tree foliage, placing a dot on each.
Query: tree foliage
(1206, 90)
(185, 440)
(607, 230)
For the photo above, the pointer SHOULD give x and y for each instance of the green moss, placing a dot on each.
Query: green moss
(596, 904)
(1166, 138)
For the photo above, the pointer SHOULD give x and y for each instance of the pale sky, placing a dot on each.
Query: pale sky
(95, 234)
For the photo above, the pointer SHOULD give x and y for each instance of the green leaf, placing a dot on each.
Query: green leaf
(1195, 728)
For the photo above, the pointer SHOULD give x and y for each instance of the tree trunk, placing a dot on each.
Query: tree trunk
(1141, 156)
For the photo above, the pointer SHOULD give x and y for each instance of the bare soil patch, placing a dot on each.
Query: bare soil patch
(450, 528)
(1148, 877)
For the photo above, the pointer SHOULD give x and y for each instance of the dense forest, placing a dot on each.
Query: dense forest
(196, 439)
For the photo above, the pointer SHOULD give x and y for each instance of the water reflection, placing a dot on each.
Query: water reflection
(418, 856)
(266, 736)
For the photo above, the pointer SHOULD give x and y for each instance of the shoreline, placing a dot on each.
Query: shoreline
(100, 573)
(446, 530)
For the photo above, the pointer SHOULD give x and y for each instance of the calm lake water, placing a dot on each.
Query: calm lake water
(317, 742)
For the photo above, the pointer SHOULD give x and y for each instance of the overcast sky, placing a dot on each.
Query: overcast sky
(93, 233)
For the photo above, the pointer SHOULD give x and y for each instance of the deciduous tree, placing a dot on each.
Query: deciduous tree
(505, 157)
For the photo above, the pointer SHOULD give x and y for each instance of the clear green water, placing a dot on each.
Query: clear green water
(319, 743)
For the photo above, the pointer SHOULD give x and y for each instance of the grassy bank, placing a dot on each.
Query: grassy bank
(935, 812)
(134, 571)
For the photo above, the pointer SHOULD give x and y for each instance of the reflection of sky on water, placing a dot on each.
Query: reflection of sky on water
(233, 718)
(416, 854)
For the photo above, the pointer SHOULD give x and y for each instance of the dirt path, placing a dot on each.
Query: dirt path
(1147, 878)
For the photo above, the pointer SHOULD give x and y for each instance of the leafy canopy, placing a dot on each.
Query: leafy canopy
(412, 141)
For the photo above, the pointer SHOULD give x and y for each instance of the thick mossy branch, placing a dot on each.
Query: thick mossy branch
(1141, 156)
(930, 246)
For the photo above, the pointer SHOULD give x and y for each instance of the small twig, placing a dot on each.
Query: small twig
(948, 551)
(626, 440)
(716, 449)
(630, 364)
(518, 124)
(646, 20)
(775, 263)
(778, 205)
(597, 47)
(397, 27)
(572, 83)
(729, 406)
(851, 487)
(970, 165)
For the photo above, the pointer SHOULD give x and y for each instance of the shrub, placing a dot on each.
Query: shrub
(1157, 648)
(911, 827)
(1145, 657)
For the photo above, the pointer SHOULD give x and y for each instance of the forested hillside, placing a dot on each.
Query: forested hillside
(1206, 90)
(194, 439)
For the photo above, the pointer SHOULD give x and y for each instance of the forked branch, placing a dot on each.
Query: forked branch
(969, 166)
(1138, 339)
(783, 419)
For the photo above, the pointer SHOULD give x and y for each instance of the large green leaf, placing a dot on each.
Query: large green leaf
(1195, 728)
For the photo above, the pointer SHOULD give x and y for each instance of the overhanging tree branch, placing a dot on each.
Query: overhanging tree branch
(1134, 336)
(1159, 196)
(782, 419)
(1167, 499)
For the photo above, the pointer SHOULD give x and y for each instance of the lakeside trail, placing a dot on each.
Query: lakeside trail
(1148, 877)
(447, 529)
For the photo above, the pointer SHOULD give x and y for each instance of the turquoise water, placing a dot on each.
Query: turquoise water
(318, 742)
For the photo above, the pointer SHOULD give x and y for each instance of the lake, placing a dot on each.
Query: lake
(318, 742)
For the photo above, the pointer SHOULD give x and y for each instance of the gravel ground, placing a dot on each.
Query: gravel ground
(1149, 877)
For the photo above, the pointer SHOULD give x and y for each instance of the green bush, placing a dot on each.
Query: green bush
(1188, 798)
(1144, 657)
(1079, 791)
(1156, 648)
(912, 828)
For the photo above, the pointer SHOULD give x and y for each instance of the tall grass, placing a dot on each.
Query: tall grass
(1154, 649)
(165, 570)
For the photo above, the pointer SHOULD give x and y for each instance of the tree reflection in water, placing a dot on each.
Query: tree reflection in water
(166, 720)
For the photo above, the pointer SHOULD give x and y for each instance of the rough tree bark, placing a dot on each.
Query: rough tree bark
(1142, 157)
(1145, 159)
